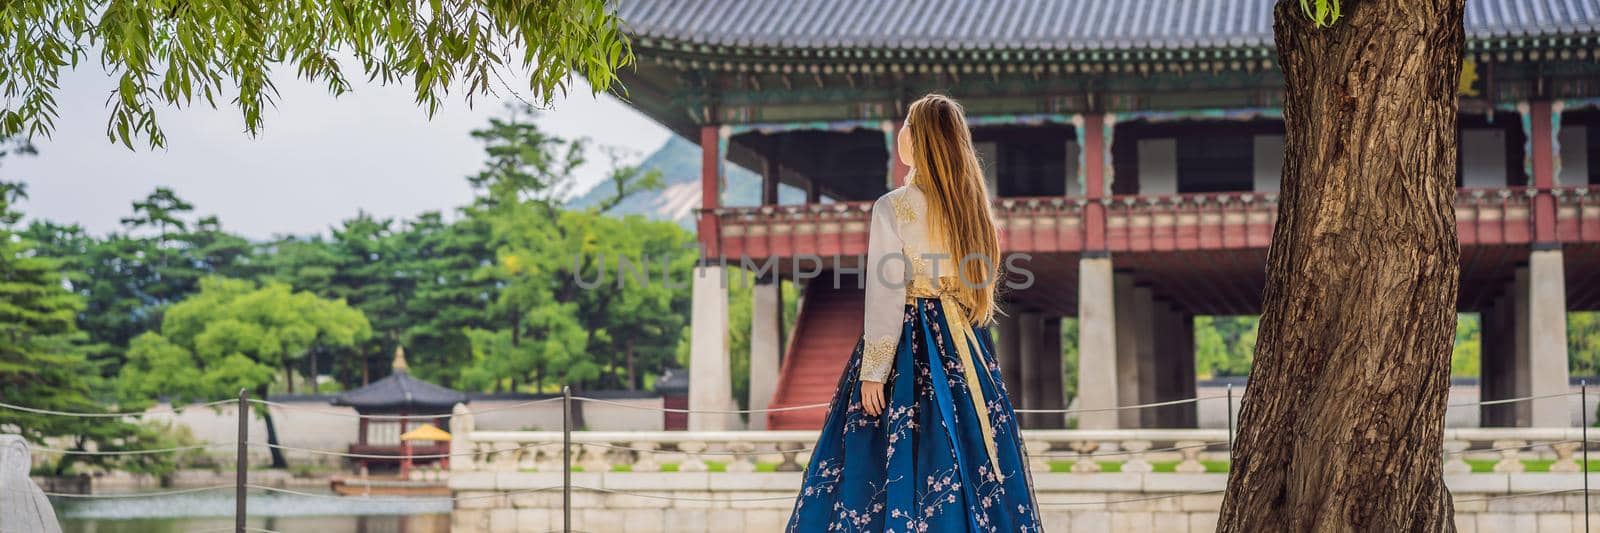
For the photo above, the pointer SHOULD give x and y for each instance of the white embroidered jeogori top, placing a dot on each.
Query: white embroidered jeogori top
(903, 262)
(899, 250)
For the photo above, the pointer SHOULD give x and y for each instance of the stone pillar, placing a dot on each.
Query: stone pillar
(1188, 387)
(766, 343)
(1173, 367)
(1521, 359)
(1496, 377)
(1031, 349)
(1175, 374)
(1047, 376)
(1547, 337)
(1007, 348)
(1166, 368)
(1545, 313)
(1097, 342)
(1129, 336)
(1150, 375)
(710, 386)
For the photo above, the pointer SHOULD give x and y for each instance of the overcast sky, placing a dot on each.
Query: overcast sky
(317, 161)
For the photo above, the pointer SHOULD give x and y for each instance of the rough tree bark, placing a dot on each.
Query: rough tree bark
(1342, 423)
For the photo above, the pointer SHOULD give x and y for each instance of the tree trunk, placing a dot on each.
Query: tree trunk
(278, 460)
(633, 378)
(1343, 419)
(312, 374)
(288, 375)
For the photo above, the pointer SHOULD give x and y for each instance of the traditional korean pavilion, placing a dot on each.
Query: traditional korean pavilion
(401, 403)
(1133, 148)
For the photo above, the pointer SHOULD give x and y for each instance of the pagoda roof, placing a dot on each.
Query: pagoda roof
(1048, 25)
(401, 393)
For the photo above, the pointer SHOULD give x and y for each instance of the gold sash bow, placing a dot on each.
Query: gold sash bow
(955, 315)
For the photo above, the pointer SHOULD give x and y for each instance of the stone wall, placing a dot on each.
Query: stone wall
(317, 425)
(713, 502)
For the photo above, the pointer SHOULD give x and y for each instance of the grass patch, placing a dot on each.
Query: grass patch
(1483, 466)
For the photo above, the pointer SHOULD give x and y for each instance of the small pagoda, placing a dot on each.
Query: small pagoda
(401, 403)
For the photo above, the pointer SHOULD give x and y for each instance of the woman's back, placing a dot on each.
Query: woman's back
(921, 435)
(925, 252)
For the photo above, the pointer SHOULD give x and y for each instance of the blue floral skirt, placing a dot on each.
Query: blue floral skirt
(922, 466)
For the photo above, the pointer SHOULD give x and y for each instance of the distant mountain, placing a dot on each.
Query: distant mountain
(679, 163)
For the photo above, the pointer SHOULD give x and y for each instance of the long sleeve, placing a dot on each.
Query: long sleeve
(886, 278)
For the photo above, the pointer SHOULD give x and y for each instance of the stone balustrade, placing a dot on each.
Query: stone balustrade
(1062, 450)
(1503, 479)
(788, 451)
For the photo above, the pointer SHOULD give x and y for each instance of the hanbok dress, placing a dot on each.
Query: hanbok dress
(945, 455)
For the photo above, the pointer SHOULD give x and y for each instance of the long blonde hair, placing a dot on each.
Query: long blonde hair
(947, 172)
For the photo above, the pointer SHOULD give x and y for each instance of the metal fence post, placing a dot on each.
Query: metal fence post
(1583, 417)
(1230, 419)
(241, 469)
(566, 459)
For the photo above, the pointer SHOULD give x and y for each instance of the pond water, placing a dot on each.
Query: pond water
(213, 511)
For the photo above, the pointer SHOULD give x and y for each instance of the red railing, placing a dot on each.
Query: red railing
(822, 230)
(1500, 215)
(1040, 224)
(1138, 223)
(1196, 221)
(1577, 213)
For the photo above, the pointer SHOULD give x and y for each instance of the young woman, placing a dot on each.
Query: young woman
(921, 435)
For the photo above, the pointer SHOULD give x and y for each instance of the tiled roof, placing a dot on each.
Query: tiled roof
(1032, 24)
(401, 393)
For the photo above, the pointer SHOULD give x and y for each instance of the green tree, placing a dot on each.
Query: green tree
(453, 266)
(162, 210)
(368, 277)
(128, 278)
(43, 357)
(1224, 345)
(1069, 357)
(173, 52)
(740, 315)
(546, 325)
(1583, 343)
(1466, 355)
(232, 335)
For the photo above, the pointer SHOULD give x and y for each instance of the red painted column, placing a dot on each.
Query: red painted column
(1544, 204)
(1094, 182)
(710, 191)
(901, 171)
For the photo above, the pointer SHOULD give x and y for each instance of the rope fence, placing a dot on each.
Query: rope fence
(242, 485)
(82, 414)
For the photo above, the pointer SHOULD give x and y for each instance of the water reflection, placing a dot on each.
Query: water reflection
(190, 513)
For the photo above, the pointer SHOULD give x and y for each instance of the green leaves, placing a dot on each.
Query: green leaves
(1323, 13)
(234, 334)
(556, 331)
(166, 52)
